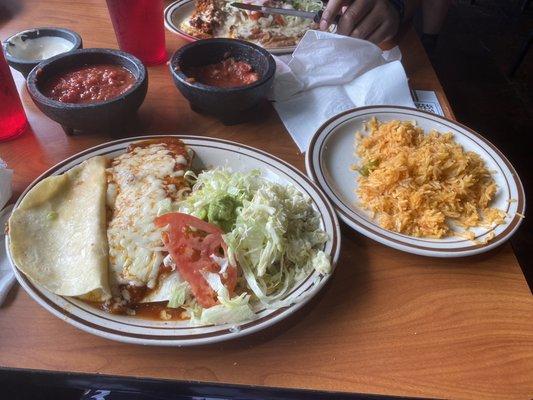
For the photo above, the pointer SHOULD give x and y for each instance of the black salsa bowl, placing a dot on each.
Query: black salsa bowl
(227, 104)
(106, 114)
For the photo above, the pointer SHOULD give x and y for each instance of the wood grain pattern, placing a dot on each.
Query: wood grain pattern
(388, 322)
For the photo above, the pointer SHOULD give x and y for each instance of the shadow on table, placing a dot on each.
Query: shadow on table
(43, 385)
(118, 130)
(10, 296)
(143, 123)
(8, 10)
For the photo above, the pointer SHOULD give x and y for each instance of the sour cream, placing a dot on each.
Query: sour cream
(39, 48)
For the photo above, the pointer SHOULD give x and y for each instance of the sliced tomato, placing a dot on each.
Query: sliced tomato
(278, 19)
(255, 15)
(191, 242)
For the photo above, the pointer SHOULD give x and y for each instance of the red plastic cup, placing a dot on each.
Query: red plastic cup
(13, 119)
(139, 28)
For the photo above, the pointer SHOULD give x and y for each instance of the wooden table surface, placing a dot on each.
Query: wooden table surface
(389, 322)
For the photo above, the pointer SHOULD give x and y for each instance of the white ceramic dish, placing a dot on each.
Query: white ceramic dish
(209, 152)
(331, 153)
(180, 10)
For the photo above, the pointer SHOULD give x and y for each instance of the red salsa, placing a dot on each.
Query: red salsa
(89, 84)
(226, 73)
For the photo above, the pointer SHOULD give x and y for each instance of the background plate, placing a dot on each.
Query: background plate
(180, 10)
(331, 153)
(209, 152)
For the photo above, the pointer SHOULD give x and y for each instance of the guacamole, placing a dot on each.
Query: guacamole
(223, 212)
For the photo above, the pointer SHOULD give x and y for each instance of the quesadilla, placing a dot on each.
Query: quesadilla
(58, 232)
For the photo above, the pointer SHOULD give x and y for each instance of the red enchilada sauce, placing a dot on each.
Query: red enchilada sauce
(89, 84)
(175, 145)
(226, 73)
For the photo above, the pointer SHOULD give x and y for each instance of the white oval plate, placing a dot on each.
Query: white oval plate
(180, 10)
(332, 152)
(209, 152)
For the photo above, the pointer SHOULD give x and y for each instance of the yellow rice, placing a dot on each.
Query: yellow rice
(423, 185)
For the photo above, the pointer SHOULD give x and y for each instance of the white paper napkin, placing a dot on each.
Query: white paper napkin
(6, 176)
(7, 278)
(328, 74)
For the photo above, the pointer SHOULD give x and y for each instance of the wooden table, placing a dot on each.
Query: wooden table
(389, 322)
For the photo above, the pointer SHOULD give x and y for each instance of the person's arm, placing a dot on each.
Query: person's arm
(373, 20)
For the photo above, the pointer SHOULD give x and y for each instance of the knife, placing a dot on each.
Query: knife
(315, 16)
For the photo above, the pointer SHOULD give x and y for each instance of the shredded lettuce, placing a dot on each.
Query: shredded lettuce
(179, 295)
(308, 5)
(321, 263)
(215, 186)
(229, 311)
(276, 239)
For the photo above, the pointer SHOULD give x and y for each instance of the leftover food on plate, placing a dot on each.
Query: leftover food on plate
(218, 18)
(423, 185)
(226, 73)
(144, 234)
(89, 84)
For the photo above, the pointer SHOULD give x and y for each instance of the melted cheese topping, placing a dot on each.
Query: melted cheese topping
(138, 191)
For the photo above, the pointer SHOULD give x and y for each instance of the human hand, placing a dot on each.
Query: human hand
(372, 20)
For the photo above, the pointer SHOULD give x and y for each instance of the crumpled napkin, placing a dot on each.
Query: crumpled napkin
(329, 73)
(7, 278)
(6, 176)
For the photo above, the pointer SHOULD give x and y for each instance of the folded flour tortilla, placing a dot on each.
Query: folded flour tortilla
(58, 232)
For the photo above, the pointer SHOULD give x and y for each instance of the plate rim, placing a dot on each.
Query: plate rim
(169, 24)
(313, 173)
(39, 294)
(167, 19)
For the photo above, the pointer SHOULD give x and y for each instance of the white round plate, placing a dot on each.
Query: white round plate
(209, 152)
(180, 10)
(332, 152)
